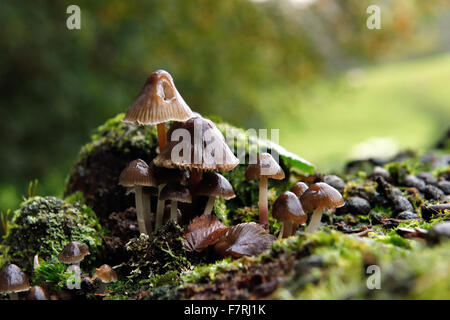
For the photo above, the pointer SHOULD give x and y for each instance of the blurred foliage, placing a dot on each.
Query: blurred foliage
(57, 85)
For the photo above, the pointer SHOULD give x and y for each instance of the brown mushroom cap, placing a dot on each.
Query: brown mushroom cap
(287, 207)
(37, 293)
(221, 159)
(13, 279)
(214, 184)
(299, 188)
(321, 196)
(244, 239)
(137, 173)
(266, 166)
(158, 102)
(106, 274)
(202, 232)
(176, 192)
(74, 252)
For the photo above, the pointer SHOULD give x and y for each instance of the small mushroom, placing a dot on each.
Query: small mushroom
(37, 293)
(214, 185)
(157, 103)
(138, 175)
(319, 197)
(13, 280)
(244, 239)
(288, 209)
(106, 274)
(73, 253)
(176, 193)
(265, 168)
(299, 188)
(202, 232)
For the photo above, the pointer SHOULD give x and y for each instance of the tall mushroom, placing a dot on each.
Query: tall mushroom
(176, 193)
(319, 197)
(265, 168)
(288, 209)
(214, 185)
(205, 150)
(137, 175)
(13, 280)
(157, 103)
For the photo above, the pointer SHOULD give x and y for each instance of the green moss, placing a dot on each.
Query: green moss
(44, 225)
(53, 274)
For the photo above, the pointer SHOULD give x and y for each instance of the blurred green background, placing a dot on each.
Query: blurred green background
(334, 88)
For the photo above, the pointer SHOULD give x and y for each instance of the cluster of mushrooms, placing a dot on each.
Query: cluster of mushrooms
(13, 280)
(173, 179)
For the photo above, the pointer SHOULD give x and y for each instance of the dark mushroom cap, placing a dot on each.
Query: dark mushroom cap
(202, 232)
(158, 102)
(321, 196)
(299, 188)
(214, 184)
(137, 173)
(244, 239)
(13, 279)
(106, 274)
(287, 207)
(219, 157)
(266, 166)
(166, 175)
(74, 252)
(176, 192)
(37, 293)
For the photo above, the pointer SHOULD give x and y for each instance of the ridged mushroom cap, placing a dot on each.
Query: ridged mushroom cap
(74, 252)
(207, 146)
(106, 274)
(244, 239)
(37, 293)
(266, 166)
(321, 196)
(202, 232)
(214, 184)
(137, 173)
(176, 192)
(159, 101)
(13, 279)
(287, 207)
(299, 188)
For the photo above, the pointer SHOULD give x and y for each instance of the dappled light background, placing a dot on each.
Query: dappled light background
(335, 89)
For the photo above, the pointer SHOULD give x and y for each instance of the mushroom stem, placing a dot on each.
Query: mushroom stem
(162, 136)
(294, 228)
(173, 210)
(287, 228)
(13, 296)
(140, 209)
(314, 224)
(263, 207)
(209, 205)
(148, 212)
(159, 208)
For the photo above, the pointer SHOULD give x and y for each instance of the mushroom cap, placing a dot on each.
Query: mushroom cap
(321, 196)
(74, 252)
(166, 175)
(266, 166)
(106, 274)
(244, 239)
(299, 188)
(159, 101)
(287, 207)
(37, 293)
(202, 232)
(13, 279)
(208, 148)
(214, 184)
(175, 192)
(137, 173)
